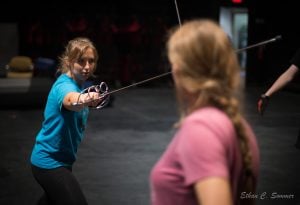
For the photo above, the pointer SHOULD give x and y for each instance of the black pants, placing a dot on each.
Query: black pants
(60, 186)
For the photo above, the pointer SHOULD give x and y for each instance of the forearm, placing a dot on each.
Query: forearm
(282, 81)
(213, 191)
(71, 99)
(278, 84)
(76, 101)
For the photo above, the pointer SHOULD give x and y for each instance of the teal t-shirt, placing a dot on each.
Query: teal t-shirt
(62, 130)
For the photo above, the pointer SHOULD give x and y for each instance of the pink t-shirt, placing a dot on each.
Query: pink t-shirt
(205, 146)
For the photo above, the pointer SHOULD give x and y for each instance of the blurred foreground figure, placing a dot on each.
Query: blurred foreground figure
(214, 157)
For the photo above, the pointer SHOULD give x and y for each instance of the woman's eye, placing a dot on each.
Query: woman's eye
(84, 61)
(91, 61)
(80, 61)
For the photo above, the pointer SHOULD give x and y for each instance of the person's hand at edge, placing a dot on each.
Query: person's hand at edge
(262, 103)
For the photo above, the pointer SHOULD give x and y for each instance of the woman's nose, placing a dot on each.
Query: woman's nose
(87, 65)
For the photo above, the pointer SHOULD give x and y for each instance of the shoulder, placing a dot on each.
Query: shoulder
(63, 78)
(64, 81)
(63, 85)
(208, 115)
(211, 121)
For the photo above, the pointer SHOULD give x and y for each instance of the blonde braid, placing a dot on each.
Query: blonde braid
(226, 101)
(231, 107)
(214, 94)
(206, 72)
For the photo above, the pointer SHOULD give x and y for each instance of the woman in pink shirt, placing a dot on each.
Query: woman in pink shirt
(214, 157)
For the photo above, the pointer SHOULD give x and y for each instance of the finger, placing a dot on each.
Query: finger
(259, 103)
(260, 107)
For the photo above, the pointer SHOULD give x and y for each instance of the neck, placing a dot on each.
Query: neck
(71, 75)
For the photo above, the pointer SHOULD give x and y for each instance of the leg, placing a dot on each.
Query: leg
(60, 186)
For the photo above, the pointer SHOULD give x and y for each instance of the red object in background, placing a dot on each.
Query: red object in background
(237, 1)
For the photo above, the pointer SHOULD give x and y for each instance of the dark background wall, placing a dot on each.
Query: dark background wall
(43, 28)
(266, 20)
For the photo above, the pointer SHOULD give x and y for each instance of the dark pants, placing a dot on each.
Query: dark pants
(60, 186)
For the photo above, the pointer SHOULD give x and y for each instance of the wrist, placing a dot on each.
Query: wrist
(265, 96)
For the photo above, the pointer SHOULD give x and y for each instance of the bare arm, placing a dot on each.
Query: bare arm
(84, 99)
(213, 191)
(283, 80)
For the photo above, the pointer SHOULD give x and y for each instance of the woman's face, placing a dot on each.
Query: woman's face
(83, 68)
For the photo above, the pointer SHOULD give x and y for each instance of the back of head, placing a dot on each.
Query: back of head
(204, 56)
(206, 73)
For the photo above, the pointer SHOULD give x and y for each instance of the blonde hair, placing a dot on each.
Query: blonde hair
(208, 73)
(73, 51)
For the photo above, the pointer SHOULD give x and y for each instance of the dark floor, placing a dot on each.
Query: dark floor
(124, 141)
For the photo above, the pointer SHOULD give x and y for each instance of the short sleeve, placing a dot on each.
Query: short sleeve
(62, 89)
(201, 151)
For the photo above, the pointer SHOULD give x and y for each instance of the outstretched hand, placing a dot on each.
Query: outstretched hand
(262, 103)
(101, 102)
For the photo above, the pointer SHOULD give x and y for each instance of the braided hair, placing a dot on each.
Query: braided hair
(206, 71)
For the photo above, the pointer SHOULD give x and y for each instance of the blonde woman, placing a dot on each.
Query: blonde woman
(213, 157)
(55, 148)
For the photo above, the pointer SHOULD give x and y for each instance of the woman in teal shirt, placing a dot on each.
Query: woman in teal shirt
(56, 144)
